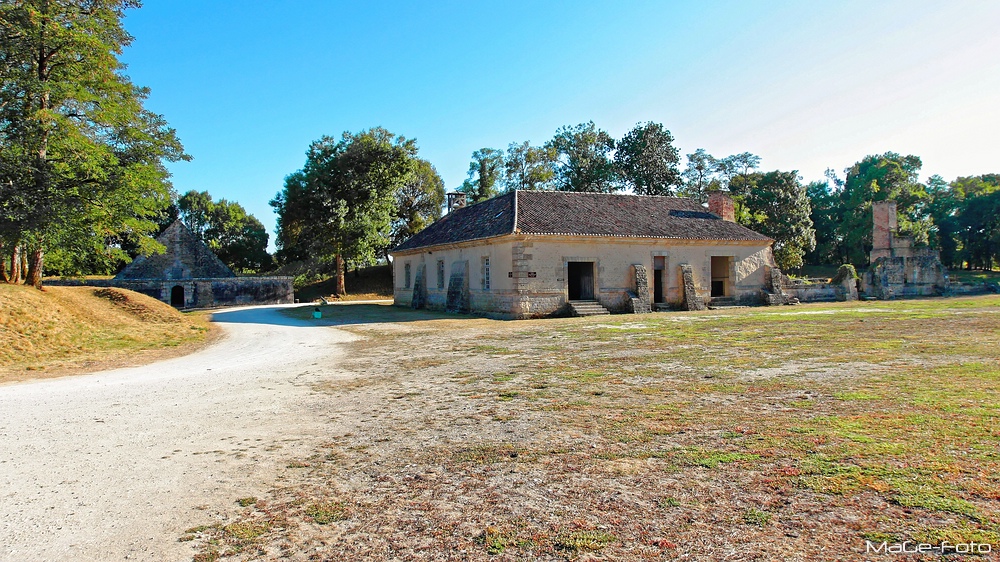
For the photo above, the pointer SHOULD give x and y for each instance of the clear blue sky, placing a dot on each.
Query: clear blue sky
(805, 85)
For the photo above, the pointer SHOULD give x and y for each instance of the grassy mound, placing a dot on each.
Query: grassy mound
(66, 330)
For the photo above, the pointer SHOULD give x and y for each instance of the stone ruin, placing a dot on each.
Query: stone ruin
(897, 267)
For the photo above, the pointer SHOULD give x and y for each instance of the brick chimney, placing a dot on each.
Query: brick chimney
(722, 204)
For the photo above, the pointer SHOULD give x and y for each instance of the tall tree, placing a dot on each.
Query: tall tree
(827, 216)
(778, 206)
(584, 159)
(292, 207)
(700, 175)
(195, 208)
(529, 167)
(235, 236)
(647, 160)
(341, 205)
(734, 171)
(81, 160)
(485, 173)
(878, 178)
(976, 223)
(944, 208)
(418, 201)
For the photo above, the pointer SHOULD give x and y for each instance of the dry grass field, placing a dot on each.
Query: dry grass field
(793, 433)
(69, 330)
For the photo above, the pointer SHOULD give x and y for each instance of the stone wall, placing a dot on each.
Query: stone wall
(204, 292)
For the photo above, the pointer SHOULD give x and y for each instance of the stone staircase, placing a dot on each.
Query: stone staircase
(723, 302)
(586, 308)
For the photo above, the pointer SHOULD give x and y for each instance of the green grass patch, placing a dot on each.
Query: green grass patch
(590, 541)
(327, 512)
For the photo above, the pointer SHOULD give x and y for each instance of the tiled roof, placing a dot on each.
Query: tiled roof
(582, 214)
(493, 217)
(186, 257)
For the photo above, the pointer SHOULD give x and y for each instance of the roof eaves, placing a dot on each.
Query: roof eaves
(396, 250)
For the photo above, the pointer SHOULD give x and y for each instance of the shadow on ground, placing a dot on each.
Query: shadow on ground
(341, 314)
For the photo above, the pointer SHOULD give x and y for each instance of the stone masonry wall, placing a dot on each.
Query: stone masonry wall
(204, 292)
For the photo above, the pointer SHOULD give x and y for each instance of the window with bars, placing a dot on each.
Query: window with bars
(440, 274)
(406, 276)
(486, 273)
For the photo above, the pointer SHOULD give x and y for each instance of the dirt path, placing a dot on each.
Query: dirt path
(110, 466)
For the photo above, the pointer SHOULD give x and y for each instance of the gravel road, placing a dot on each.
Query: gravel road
(115, 465)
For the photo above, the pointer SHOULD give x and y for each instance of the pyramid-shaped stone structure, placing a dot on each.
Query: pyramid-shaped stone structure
(186, 257)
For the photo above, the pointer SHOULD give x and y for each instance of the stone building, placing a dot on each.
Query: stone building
(897, 267)
(536, 253)
(189, 275)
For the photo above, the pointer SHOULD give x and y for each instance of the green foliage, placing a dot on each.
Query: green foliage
(735, 170)
(753, 516)
(81, 160)
(878, 178)
(238, 238)
(699, 176)
(418, 201)
(326, 513)
(647, 160)
(485, 172)
(845, 272)
(528, 167)
(776, 204)
(584, 159)
(342, 204)
(979, 230)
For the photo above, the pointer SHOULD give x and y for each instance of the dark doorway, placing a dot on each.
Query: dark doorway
(658, 268)
(177, 296)
(720, 276)
(581, 280)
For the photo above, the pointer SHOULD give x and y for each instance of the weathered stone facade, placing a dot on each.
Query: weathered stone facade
(202, 292)
(189, 275)
(474, 264)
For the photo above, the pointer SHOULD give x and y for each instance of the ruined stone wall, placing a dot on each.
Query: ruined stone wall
(897, 267)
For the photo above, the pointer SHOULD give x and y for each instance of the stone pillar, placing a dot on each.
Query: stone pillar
(458, 287)
(640, 297)
(419, 298)
(520, 264)
(776, 289)
(691, 300)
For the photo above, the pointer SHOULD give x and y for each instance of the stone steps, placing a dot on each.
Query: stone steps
(587, 308)
(723, 302)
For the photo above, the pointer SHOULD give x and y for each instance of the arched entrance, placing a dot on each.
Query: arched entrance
(177, 296)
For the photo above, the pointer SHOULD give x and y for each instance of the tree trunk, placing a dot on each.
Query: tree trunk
(15, 266)
(341, 289)
(3, 266)
(34, 277)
